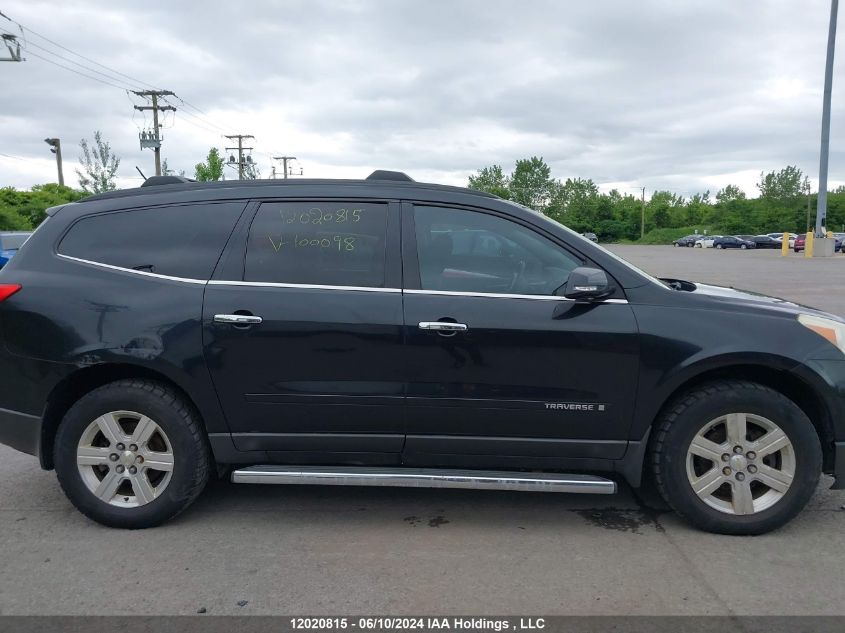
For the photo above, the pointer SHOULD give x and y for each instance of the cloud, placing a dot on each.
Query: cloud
(662, 94)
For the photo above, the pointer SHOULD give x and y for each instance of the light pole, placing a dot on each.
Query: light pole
(821, 205)
(56, 147)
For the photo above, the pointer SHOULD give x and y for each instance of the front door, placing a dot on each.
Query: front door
(497, 363)
(304, 340)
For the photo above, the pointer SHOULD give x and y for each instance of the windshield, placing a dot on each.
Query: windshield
(583, 240)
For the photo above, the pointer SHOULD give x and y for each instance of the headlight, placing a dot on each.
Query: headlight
(833, 331)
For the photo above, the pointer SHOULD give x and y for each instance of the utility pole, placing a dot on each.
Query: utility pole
(14, 48)
(285, 170)
(821, 204)
(153, 139)
(56, 147)
(240, 149)
(642, 215)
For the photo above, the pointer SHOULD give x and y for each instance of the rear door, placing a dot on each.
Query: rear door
(498, 364)
(303, 330)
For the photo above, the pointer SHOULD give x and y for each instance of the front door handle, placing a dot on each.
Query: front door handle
(443, 326)
(238, 319)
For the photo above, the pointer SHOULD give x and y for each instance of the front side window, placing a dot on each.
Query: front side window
(468, 251)
(318, 243)
(178, 241)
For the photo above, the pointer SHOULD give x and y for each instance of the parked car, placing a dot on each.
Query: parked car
(591, 236)
(10, 242)
(765, 241)
(779, 238)
(384, 332)
(706, 241)
(732, 241)
(688, 240)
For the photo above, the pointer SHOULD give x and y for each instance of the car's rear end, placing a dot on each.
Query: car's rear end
(25, 380)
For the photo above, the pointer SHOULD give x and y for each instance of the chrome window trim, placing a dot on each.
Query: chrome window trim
(273, 284)
(142, 273)
(270, 284)
(494, 295)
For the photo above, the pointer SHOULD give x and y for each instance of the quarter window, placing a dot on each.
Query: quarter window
(179, 241)
(468, 251)
(319, 243)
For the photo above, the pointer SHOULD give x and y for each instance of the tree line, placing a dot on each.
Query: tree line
(782, 205)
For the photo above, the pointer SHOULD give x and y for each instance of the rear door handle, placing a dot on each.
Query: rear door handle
(443, 326)
(238, 319)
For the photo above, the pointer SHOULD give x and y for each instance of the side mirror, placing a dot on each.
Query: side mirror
(587, 284)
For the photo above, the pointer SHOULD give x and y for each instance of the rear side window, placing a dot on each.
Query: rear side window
(179, 241)
(318, 243)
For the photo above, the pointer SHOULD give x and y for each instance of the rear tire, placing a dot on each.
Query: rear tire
(131, 454)
(712, 420)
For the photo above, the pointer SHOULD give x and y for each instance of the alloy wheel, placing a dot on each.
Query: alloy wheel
(740, 463)
(125, 459)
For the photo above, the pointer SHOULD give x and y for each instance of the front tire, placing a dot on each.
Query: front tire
(735, 457)
(131, 454)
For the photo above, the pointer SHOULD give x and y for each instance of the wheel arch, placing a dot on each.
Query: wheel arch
(805, 395)
(85, 380)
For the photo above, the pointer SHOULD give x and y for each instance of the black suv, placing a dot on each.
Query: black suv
(387, 332)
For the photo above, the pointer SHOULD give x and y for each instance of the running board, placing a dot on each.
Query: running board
(424, 478)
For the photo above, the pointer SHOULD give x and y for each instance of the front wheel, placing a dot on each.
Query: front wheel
(131, 454)
(718, 246)
(735, 457)
(743, 247)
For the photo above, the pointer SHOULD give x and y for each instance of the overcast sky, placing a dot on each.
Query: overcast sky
(681, 95)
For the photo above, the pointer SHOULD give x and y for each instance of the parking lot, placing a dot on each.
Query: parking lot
(312, 550)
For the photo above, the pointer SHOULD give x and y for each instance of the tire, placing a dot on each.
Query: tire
(721, 510)
(719, 246)
(675, 244)
(743, 247)
(173, 461)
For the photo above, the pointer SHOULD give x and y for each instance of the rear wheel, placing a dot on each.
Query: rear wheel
(718, 246)
(736, 457)
(131, 454)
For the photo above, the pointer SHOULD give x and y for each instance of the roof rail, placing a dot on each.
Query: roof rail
(383, 174)
(154, 181)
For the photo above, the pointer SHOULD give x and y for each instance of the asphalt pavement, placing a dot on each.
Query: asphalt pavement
(322, 550)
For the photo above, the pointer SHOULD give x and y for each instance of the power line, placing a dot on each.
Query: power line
(27, 46)
(50, 61)
(16, 157)
(65, 48)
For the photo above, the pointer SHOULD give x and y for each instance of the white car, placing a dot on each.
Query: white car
(706, 241)
(779, 238)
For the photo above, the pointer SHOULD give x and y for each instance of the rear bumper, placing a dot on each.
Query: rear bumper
(839, 466)
(21, 431)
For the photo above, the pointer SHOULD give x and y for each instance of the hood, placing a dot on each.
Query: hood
(746, 298)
